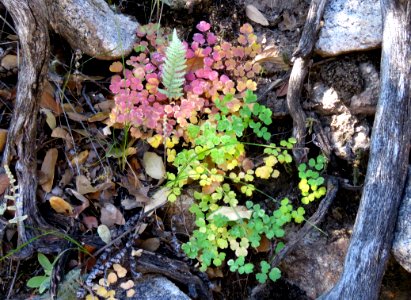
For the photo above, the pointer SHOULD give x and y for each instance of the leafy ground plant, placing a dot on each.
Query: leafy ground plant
(42, 282)
(204, 116)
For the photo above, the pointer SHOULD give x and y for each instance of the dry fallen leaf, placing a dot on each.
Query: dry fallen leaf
(50, 118)
(76, 117)
(9, 62)
(105, 106)
(4, 182)
(47, 99)
(98, 117)
(3, 139)
(255, 15)
(153, 165)
(61, 133)
(232, 213)
(80, 208)
(83, 185)
(273, 55)
(158, 199)
(90, 222)
(60, 205)
(104, 233)
(80, 158)
(110, 215)
(47, 167)
(151, 244)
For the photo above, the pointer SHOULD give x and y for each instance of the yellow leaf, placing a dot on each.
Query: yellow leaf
(50, 118)
(80, 158)
(60, 205)
(48, 167)
(155, 140)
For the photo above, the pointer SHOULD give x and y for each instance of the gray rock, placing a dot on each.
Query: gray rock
(402, 241)
(316, 264)
(350, 25)
(157, 288)
(93, 27)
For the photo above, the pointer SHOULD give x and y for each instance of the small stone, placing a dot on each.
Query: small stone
(350, 25)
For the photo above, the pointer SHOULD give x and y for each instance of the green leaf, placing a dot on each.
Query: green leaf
(275, 274)
(37, 281)
(261, 277)
(250, 97)
(44, 262)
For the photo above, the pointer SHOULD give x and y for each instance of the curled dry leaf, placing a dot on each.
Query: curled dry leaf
(272, 55)
(83, 185)
(60, 205)
(110, 215)
(153, 165)
(232, 213)
(3, 138)
(47, 168)
(255, 15)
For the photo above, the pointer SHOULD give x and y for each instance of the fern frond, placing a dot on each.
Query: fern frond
(174, 68)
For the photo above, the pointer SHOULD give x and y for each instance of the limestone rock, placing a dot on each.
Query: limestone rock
(157, 288)
(350, 25)
(402, 241)
(93, 27)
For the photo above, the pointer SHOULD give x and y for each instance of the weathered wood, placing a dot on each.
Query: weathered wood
(387, 168)
(298, 74)
(32, 29)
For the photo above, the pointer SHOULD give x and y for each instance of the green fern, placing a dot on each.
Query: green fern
(174, 68)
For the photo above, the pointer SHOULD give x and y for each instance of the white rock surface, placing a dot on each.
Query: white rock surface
(350, 25)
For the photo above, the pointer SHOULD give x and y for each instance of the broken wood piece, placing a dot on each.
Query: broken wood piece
(298, 74)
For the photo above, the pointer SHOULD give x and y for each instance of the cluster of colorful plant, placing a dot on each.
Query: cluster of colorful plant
(208, 108)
